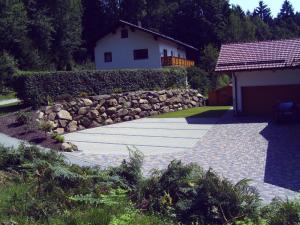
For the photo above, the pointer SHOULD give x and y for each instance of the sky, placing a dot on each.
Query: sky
(275, 5)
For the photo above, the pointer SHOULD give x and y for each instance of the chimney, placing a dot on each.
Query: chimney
(139, 23)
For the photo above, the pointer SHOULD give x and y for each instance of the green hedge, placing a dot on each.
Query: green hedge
(37, 88)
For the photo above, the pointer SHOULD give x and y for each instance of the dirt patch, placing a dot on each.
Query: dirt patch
(33, 135)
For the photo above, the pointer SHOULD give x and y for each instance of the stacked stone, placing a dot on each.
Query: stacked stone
(83, 113)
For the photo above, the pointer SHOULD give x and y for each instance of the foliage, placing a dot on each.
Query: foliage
(34, 88)
(8, 67)
(45, 126)
(282, 212)
(198, 79)
(58, 138)
(23, 118)
(41, 188)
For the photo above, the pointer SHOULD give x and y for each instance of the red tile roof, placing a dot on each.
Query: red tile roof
(259, 55)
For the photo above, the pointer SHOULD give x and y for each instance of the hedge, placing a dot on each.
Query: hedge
(37, 88)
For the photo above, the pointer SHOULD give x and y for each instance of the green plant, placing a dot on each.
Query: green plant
(23, 118)
(45, 126)
(282, 212)
(34, 88)
(8, 66)
(58, 138)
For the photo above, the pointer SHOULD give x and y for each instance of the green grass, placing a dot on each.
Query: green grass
(10, 108)
(204, 112)
(8, 96)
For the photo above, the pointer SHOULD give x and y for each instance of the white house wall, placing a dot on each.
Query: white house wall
(263, 78)
(122, 50)
(171, 47)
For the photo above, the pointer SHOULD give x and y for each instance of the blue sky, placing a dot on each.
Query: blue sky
(275, 5)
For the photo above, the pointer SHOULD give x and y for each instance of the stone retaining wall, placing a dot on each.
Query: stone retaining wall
(83, 113)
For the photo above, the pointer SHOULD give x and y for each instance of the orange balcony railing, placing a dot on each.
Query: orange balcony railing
(175, 61)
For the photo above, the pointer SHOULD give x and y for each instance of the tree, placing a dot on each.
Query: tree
(66, 16)
(13, 28)
(263, 12)
(8, 67)
(286, 10)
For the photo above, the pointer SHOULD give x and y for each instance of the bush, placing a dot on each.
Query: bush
(282, 212)
(198, 79)
(8, 67)
(36, 88)
(58, 138)
(23, 118)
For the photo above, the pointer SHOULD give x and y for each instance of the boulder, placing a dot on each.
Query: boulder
(83, 110)
(86, 122)
(72, 126)
(59, 131)
(111, 110)
(123, 112)
(94, 114)
(68, 147)
(165, 109)
(162, 98)
(57, 107)
(51, 116)
(108, 122)
(40, 115)
(146, 107)
(112, 102)
(137, 110)
(87, 102)
(143, 101)
(64, 115)
(63, 123)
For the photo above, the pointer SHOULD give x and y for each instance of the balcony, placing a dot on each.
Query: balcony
(175, 61)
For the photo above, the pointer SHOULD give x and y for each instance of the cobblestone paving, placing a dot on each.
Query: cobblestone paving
(236, 148)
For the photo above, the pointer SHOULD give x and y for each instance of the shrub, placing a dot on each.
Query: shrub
(282, 212)
(35, 88)
(23, 118)
(58, 138)
(198, 79)
(8, 67)
(45, 126)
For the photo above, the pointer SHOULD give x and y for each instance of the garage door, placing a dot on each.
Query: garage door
(261, 100)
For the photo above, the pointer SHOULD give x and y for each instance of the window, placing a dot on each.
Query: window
(124, 33)
(140, 54)
(179, 55)
(172, 53)
(107, 57)
(165, 52)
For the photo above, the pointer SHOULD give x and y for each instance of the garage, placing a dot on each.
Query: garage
(263, 74)
(261, 100)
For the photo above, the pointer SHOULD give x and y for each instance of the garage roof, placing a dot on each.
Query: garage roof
(259, 55)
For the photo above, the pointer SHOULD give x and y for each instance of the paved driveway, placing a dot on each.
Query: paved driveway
(236, 148)
(150, 135)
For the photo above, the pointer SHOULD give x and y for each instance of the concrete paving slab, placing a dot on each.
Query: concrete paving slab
(151, 136)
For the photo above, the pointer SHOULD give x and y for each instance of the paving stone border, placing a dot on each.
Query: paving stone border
(84, 113)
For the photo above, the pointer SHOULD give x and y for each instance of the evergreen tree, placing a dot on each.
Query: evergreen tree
(263, 12)
(286, 10)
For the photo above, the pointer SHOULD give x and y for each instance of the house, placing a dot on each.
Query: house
(130, 46)
(221, 96)
(263, 73)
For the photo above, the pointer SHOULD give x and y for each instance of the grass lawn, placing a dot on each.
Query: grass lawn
(7, 96)
(9, 108)
(205, 112)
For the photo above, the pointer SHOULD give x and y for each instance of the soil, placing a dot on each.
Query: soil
(32, 135)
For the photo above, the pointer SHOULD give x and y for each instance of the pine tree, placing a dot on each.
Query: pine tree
(287, 10)
(263, 12)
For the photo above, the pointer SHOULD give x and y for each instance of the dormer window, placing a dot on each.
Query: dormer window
(124, 33)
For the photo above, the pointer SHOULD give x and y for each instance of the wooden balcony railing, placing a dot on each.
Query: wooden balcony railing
(175, 61)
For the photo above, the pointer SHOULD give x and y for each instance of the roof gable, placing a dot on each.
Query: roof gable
(155, 34)
(259, 55)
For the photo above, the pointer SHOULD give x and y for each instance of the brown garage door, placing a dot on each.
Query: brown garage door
(261, 100)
